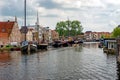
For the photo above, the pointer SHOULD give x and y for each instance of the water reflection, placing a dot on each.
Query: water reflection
(71, 63)
(91, 44)
(5, 57)
(78, 48)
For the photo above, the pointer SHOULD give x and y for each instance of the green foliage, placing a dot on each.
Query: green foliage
(116, 32)
(69, 28)
(102, 36)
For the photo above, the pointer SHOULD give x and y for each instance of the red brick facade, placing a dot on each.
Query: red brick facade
(9, 32)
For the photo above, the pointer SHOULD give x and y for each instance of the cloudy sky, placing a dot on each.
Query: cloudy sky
(95, 15)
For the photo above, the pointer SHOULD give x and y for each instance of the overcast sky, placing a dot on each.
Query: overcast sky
(95, 15)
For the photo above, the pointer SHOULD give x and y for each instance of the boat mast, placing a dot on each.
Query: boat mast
(25, 17)
(37, 27)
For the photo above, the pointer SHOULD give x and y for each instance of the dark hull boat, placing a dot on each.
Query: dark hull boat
(65, 44)
(42, 46)
(71, 43)
(57, 44)
(80, 41)
(24, 46)
(33, 47)
(100, 45)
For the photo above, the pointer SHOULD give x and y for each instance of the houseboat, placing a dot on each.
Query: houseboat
(110, 45)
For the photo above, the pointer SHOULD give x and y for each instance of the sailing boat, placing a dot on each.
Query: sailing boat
(42, 45)
(25, 45)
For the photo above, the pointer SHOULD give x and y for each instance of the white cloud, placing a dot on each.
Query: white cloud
(2, 3)
(113, 23)
(69, 3)
(114, 2)
(93, 3)
(96, 15)
(79, 3)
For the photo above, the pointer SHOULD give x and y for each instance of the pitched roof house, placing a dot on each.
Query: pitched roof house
(9, 32)
(55, 35)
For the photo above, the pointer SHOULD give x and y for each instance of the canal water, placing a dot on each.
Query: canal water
(84, 62)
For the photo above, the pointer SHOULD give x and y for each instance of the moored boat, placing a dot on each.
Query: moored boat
(33, 47)
(57, 44)
(65, 43)
(42, 46)
(28, 46)
(24, 46)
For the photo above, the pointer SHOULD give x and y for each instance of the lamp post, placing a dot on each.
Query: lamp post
(24, 29)
(76, 32)
(69, 28)
(25, 17)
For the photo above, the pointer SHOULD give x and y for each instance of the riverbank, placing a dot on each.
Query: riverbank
(10, 48)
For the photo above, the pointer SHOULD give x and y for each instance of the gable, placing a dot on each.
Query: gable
(6, 28)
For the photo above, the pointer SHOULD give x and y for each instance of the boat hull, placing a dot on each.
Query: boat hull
(33, 48)
(24, 48)
(42, 46)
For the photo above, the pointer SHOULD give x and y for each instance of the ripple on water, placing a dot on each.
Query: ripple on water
(86, 62)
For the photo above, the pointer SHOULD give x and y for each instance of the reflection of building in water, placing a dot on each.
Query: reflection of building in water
(5, 57)
(91, 44)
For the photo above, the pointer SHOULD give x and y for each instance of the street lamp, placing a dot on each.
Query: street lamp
(76, 31)
(69, 28)
(70, 31)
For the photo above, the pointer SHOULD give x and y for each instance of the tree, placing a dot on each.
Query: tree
(61, 28)
(116, 32)
(69, 28)
(76, 27)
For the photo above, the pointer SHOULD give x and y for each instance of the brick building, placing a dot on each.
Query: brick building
(9, 32)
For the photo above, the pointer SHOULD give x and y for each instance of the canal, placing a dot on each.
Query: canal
(85, 62)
